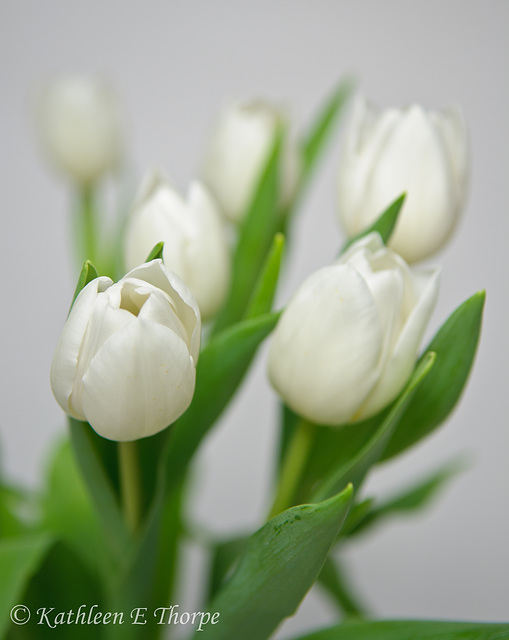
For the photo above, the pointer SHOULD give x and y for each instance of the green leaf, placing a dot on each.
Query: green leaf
(417, 497)
(355, 468)
(455, 345)
(88, 273)
(384, 225)
(278, 567)
(220, 369)
(19, 560)
(157, 252)
(321, 130)
(412, 630)
(102, 493)
(263, 295)
(67, 511)
(256, 232)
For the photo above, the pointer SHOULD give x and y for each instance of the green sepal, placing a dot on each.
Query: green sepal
(156, 253)
(281, 562)
(384, 225)
(412, 630)
(455, 344)
(88, 273)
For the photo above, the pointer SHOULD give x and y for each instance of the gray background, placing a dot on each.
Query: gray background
(174, 64)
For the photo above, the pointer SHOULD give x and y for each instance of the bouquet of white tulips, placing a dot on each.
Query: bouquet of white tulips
(165, 322)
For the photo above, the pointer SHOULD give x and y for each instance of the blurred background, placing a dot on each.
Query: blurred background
(174, 65)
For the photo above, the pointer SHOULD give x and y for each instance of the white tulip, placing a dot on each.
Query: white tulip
(192, 230)
(348, 340)
(126, 359)
(388, 152)
(80, 126)
(238, 151)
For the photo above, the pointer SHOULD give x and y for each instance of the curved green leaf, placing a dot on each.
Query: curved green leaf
(455, 345)
(278, 567)
(157, 252)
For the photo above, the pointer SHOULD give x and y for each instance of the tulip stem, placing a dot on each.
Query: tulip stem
(87, 224)
(130, 483)
(293, 465)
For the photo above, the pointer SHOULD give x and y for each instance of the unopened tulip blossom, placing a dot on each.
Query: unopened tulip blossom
(238, 152)
(81, 127)
(192, 230)
(348, 340)
(126, 358)
(388, 152)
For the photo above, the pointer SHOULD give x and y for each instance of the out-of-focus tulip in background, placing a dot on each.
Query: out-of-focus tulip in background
(175, 66)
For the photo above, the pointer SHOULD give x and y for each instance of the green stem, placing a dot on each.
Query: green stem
(293, 465)
(88, 223)
(130, 483)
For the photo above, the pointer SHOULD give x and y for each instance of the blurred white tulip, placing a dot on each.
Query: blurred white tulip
(80, 126)
(126, 359)
(388, 152)
(348, 340)
(195, 245)
(237, 154)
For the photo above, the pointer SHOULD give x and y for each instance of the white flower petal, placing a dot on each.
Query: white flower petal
(140, 381)
(326, 346)
(64, 365)
(404, 355)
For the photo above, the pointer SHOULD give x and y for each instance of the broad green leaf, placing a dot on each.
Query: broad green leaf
(321, 130)
(256, 232)
(220, 369)
(88, 273)
(384, 225)
(19, 560)
(263, 295)
(333, 579)
(356, 467)
(455, 345)
(278, 567)
(102, 493)
(18, 511)
(417, 497)
(67, 511)
(412, 630)
(157, 252)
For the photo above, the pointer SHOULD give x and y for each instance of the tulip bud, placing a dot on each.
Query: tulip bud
(126, 359)
(348, 340)
(80, 126)
(195, 246)
(238, 152)
(424, 154)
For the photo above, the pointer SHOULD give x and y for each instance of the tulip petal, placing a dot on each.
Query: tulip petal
(157, 274)
(326, 347)
(139, 382)
(403, 358)
(64, 366)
